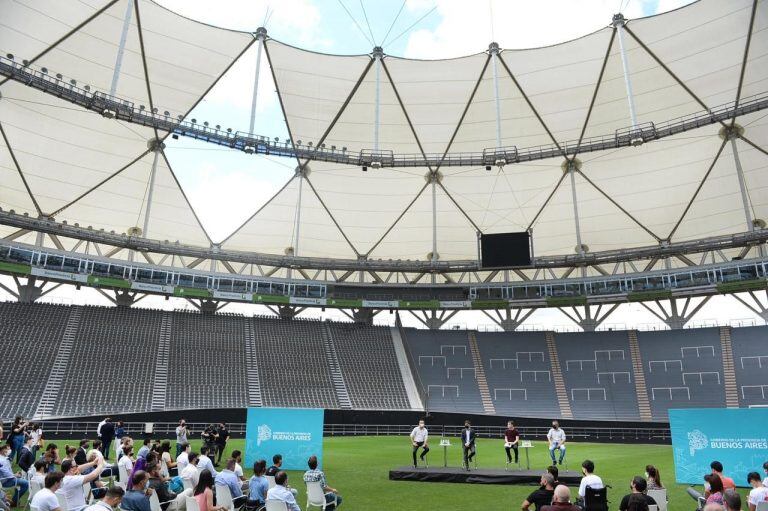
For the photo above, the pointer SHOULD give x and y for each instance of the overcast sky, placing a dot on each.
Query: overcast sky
(424, 29)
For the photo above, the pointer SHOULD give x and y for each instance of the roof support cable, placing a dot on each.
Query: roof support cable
(377, 55)
(618, 22)
(261, 34)
(121, 48)
(571, 166)
(355, 22)
(150, 191)
(493, 49)
(744, 192)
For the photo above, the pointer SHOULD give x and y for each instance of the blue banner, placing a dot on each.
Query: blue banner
(736, 437)
(296, 433)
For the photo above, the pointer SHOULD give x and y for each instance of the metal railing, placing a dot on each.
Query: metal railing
(124, 110)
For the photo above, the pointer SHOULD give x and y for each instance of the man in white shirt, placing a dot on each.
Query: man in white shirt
(110, 502)
(190, 472)
(45, 499)
(281, 493)
(72, 484)
(238, 457)
(556, 438)
(589, 479)
(204, 462)
(758, 493)
(419, 437)
(182, 460)
(126, 463)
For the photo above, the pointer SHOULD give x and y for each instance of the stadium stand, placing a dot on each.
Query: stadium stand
(292, 364)
(445, 366)
(206, 368)
(683, 368)
(517, 367)
(78, 349)
(109, 344)
(597, 369)
(26, 330)
(750, 353)
(370, 369)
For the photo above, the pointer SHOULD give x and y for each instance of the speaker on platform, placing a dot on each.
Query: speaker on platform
(505, 250)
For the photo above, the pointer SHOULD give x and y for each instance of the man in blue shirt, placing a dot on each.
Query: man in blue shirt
(228, 478)
(144, 449)
(137, 499)
(10, 480)
(258, 484)
(282, 493)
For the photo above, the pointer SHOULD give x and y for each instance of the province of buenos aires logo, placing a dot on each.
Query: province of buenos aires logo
(697, 441)
(264, 435)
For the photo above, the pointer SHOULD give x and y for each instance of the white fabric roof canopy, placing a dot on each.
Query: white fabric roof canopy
(628, 197)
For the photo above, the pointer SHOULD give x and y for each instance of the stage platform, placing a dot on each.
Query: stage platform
(479, 476)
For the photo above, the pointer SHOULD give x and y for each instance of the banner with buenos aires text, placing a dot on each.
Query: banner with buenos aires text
(295, 433)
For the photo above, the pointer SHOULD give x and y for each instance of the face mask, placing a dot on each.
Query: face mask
(646, 475)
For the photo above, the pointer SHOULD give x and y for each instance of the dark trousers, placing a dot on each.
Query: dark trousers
(469, 453)
(220, 449)
(106, 444)
(424, 451)
(509, 455)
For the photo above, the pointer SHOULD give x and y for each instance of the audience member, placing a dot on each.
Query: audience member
(228, 478)
(126, 462)
(166, 462)
(543, 496)
(258, 485)
(653, 477)
(552, 469)
(638, 485)
(110, 502)
(732, 500)
(277, 462)
(758, 493)
(717, 469)
(72, 484)
(40, 471)
(81, 453)
(204, 462)
(18, 482)
(164, 494)
(636, 502)
(238, 457)
(765, 469)
(590, 479)
(315, 475)
(204, 492)
(713, 489)
(280, 492)
(561, 500)
(182, 459)
(45, 499)
(144, 449)
(27, 457)
(137, 497)
(190, 472)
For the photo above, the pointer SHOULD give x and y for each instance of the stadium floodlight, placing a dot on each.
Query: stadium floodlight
(365, 168)
(488, 168)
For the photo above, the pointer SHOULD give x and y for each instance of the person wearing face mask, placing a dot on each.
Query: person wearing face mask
(556, 438)
(110, 502)
(137, 498)
(72, 484)
(468, 443)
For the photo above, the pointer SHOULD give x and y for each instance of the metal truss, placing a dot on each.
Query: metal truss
(124, 110)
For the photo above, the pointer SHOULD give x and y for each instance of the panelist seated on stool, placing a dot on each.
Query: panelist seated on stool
(556, 438)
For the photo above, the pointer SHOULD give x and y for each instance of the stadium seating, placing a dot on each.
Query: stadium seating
(367, 358)
(206, 366)
(445, 366)
(597, 369)
(750, 358)
(683, 368)
(517, 367)
(111, 359)
(29, 340)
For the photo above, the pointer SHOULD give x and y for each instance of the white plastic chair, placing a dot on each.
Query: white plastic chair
(271, 481)
(33, 508)
(156, 505)
(224, 497)
(187, 483)
(660, 496)
(123, 482)
(191, 504)
(762, 506)
(276, 505)
(62, 502)
(653, 507)
(34, 487)
(316, 496)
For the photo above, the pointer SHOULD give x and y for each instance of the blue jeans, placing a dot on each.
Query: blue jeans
(552, 453)
(21, 486)
(16, 445)
(329, 498)
(178, 450)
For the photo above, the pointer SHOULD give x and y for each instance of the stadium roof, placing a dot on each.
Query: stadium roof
(60, 160)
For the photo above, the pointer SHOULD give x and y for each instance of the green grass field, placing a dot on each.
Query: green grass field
(359, 468)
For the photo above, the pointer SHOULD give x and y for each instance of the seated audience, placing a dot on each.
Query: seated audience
(228, 478)
(164, 494)
(717, 469)
(277, 462)
(732, 500)
(280, 492)
(203, 492)
(314, 475)
(45, 499)
(190, 472)
(137, 498)
(552, 469)
(258, 485)
(590, 479)
(713, 489)
(204, 462)
(27, 456)
(39, 474)
(543, 496)
(561, 500)
(182, 460)
(72, 484)
(758, 493)
(19, 483)
(638, 486)
(653, 478)
(111, 500)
